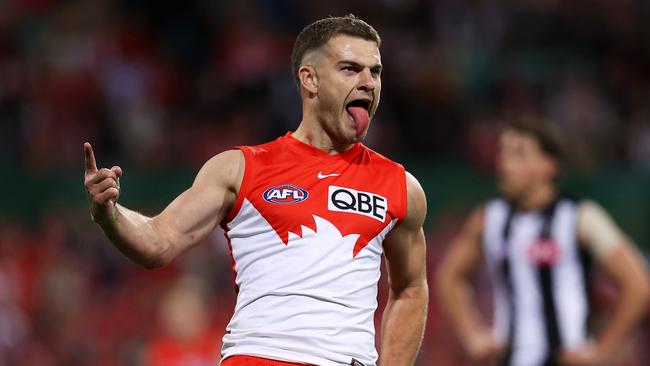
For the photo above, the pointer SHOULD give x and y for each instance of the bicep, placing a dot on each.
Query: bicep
(616, 255)
(405, 252)
(197, 211)
(405, 246)
(597, 231)
(625, 265)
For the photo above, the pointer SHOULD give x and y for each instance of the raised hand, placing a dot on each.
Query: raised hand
(102, 187)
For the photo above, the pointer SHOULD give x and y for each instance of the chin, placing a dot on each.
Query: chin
(507, 192)
(359, 138)
(349, 135)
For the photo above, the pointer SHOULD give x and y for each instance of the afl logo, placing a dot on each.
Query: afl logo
(285, 194)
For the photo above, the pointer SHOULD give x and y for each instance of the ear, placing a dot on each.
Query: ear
(552, 166)
(308, 78)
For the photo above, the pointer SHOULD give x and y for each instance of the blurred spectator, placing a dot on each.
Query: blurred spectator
(186, 337)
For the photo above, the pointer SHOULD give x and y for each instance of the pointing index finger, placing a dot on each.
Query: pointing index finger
(89, 157)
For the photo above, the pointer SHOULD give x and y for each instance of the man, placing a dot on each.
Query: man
(536, 245)
(307, 217)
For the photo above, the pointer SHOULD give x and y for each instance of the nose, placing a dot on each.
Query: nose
(366, 81)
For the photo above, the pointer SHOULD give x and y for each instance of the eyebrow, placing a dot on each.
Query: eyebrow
(374, 68)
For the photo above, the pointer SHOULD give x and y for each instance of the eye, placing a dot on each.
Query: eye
(348, 68)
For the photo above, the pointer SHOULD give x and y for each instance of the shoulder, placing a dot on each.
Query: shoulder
(416, 201)
(588, 206)
(483, 216)
(378, 158)
(224, 160)
(271, 152)
(596, 229)
(224, 169)
(590, 213)
(261, 149)
(475, 222)
(494, 203)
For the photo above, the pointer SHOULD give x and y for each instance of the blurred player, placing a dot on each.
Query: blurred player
(537, 246)
(307, 216)
(186, 337)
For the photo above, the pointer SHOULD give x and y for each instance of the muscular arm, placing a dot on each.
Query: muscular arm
(626, 268)
(455, 290)
(616, 255)
(405, 314)
(155, 241)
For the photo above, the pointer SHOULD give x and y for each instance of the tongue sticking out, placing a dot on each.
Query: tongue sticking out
(361, 118)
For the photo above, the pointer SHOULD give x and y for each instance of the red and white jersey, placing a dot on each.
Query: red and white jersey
(306, 236)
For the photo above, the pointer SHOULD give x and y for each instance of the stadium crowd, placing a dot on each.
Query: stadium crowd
(169, 84)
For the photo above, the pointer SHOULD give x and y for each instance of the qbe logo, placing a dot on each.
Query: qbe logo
(285, 194)
(363, 203)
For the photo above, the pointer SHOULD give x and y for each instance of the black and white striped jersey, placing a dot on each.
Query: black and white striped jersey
(539, 277)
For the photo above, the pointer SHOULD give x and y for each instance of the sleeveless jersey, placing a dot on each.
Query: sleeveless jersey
(306, 237)
(539, 276)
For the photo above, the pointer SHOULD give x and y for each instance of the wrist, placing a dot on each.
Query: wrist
(474, 337)
(107, 218)
(604, 347)
(475, 331)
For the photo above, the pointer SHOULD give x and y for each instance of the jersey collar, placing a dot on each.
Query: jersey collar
(304, 148)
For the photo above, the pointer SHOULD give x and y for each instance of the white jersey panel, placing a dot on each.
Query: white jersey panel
(571, 299)
(307, 301)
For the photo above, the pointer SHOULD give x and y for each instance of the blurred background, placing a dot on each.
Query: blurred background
(159, 87)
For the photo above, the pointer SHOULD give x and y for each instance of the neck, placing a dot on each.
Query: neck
(538, 198)
(312, 133)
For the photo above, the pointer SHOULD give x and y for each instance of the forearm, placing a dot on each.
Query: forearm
(456, 296)
(630, 308)
(403, 326)
(135, 235)
(154, 242)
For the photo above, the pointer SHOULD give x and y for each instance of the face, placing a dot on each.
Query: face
(183, 313)
(345, 86)
(521, 164)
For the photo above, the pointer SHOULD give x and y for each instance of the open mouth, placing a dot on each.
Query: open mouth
(363, 103)
(359, 112)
